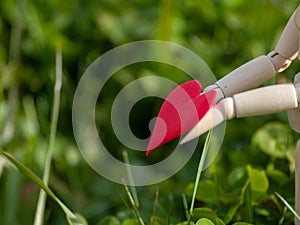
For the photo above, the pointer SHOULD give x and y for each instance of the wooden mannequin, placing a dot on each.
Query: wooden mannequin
(236, 99)
(234, 96)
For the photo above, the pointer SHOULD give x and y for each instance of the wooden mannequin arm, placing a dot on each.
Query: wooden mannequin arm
(265, 100)
(257, 71)
(294, 114)
(256, 102)
(248, 76)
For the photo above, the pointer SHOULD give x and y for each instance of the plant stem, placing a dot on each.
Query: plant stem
(199, 172)
(27, 172)
(131, 180)
(39, 216)
(2, 164)
(135, 209)
(297, 216)
(248, 205)
(14, 60)
(154, 205)
(185, 206)
(13, 182)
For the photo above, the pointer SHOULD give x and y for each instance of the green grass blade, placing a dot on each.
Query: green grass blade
(76, 219)
(199, 172)
(11, 201)
(39, 216)
(135, 209)
(185, 206)
(155, 205)
(131, 180)
(14, 55)
(27, 172)
(248, 205)
(281, 221)
(32, 176)
(2, 162)
(288, 206)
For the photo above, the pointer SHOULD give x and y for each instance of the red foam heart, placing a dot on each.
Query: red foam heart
(181, 111)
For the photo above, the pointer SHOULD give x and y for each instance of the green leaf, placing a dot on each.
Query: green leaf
(109, 220)
(231, 212)
(71, 217)
(27, 172)
(259, 183)
(207, 191)
(237, 177)
(274, 139)
(155, 220)
(258, 179)
(77, 220)
(278, 176)
(234, 208)
(204, 221)
(242, 223)
(290, 156)
(230, 198)
(182, 223)
(199, 213)
(131, 222)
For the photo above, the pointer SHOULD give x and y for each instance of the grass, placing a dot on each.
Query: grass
(297, 216)
(130, 177)
(133, 205)
(199, 172)
(73, 219)
(39, 216)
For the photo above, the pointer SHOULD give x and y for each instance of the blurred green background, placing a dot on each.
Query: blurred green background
(225, 34)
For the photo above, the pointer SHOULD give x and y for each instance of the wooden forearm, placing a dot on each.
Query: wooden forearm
(255, 102)
(265, 100)
(248, 76)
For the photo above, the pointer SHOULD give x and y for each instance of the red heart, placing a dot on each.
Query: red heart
(181, 111)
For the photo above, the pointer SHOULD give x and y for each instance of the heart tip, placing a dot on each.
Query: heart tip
(153, 145)
(148, 152)
(150, 149)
